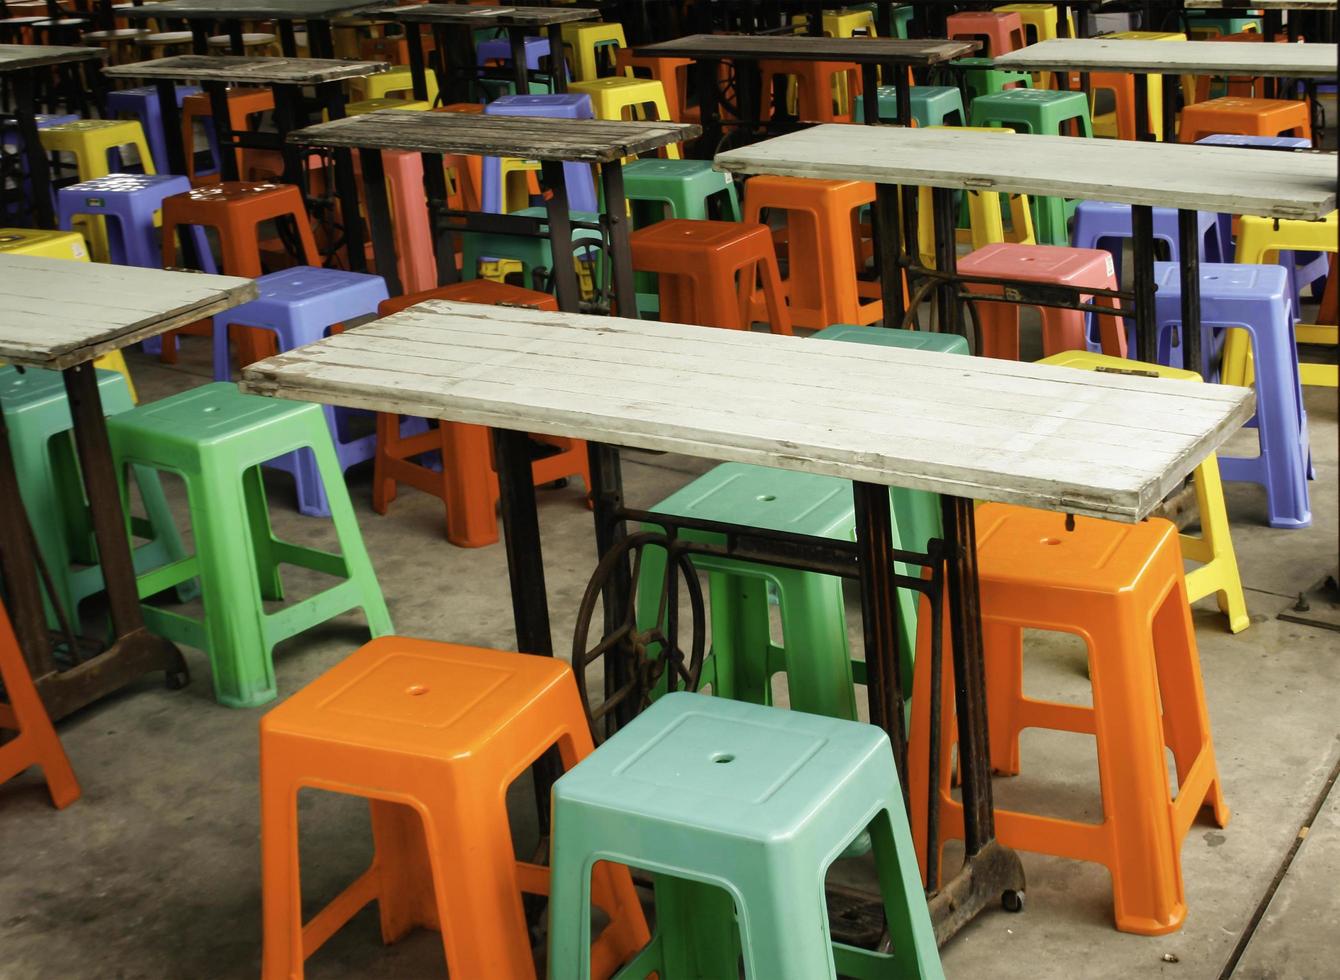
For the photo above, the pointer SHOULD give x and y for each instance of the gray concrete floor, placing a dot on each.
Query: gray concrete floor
(155, 871)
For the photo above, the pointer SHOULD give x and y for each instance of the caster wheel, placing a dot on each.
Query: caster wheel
(1012, 901)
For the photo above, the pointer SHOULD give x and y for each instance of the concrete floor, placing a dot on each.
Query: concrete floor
(154, 872)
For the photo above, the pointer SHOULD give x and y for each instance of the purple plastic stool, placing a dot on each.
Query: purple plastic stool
(299, 306)
(1256, 299)
(577, 177)
(129, 203)
(12, 141)
(142, 103)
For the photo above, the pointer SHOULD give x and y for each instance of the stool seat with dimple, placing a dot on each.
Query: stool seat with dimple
(432, 734)
(733, 804)
(1120, 588)
(698, 263)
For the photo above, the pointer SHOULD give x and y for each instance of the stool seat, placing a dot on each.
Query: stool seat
(1000, 31)
(1247, 117)
(133, 202)
(48, 244)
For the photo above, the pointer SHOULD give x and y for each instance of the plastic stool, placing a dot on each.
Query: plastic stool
(1256, 299)
(681, 188)
(243, 104)
(45, 244)
(36, 742)
(466, 483)
(621, 97)
(697, 263)
(133, 202)
(672, 73)
(932, 105)
(586, 44)
(1212, 549)
(824, 247)
(397, 82)
(1246, 117)
(1062, 330)
(37, 416)
(533, 257)
(142, 103)
(980, 77)
(999, 32)
(825, 90)
(1039, 20)
(215, 438)
(432, 734)
(1121, 122)
(92, 141)
(577, 177)
(254, 44)
(498, 52)
(1034, 111)
(1101, 224)
(717, 795)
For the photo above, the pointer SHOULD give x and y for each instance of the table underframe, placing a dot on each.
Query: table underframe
(455, 84)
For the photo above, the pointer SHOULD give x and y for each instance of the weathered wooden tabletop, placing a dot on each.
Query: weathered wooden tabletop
(1207, 178)
(55, 313)
(1178, 58)
(795, 47)
(1081, 442)
(475, 17)
(533, 138)
(1261, 5)
(17, 57)
(249, 69)
(251, 9)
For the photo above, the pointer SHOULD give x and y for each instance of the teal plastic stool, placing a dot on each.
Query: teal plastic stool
(932, 105)
(738, 809)
(41, 440)
(216, 439)
(533, 253)
(980, 78)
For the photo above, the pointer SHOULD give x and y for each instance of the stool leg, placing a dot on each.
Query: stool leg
(384, 486)
(741, 637)
(814, 633)
(1214, 548)
(569, 907)
(471, 485)
(904, 901)
(166, 546)
(1004, 645)
(696, 925)
(281, 892)
(36, 742)
(406, 900)
(262, 537)
(779, 904)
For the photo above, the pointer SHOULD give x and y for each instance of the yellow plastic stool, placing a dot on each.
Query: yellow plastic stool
(253, 44)
(1039, 20)
(985, 226)
(1188, 81)
(848, 23)
(397, 82)
(611, 98)
(61, 245)
(1259, 242)
(372, 105)
(582, 43)
(1213, 549)
(89, 141)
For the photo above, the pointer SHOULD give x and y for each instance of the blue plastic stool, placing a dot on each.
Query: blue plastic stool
(577, 177)
(299, 306)
(1255, 298)
(500, 49)
(142, 103)
(130, 203)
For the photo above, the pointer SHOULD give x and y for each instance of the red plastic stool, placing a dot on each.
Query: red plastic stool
(1238, 116)
(467, 483)
(243, 103)
(824, 246)
(999, 33)
(709, 270)
(820, 87)
(672, 73)
(236, 210)
(1062, 330)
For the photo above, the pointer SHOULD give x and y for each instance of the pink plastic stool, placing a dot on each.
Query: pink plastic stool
(1062, 330)
(409, 220)
(999, 32)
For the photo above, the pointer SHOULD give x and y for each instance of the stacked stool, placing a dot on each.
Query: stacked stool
(142, 103)
(672, 73)
(622, 97)
(589, 47)
(130, 206)
(1000, 32)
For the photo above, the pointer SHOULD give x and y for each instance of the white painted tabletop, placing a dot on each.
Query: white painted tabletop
(1207, 178)
(1076, 441)
(56, 313)
(1174, 58)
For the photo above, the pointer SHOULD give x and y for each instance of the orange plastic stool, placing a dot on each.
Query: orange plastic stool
(243, 103)
(1062, 330)
(236, 210)
(826, 91)
(998, 32)
(36, 743)
(467, 483)
(432, 734)
(1238, 116)
(1120, 587)
(824, 247)
(698, 263)
(672, 73)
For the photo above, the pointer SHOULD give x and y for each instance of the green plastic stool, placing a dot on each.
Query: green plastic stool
(41, 440)
(746, 806)
(216, 439)
(1200, 24)
(981, 78)
(902, 16)
(534, 254)
(932, 105)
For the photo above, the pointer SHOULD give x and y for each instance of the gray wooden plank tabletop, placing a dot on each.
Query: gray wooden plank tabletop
(475, 17)
(1206, 178)
(17, 57)
(1261, 5)
(875, 50)
(249, 69)
(1176, 58)
(55, 313)
(251, 9)
(533, 138)
(1076, 441)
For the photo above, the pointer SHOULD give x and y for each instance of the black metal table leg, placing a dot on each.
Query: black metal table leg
(888, 252)
(288, 40)
(39, 169)
(379, 218)
(331, 98)
(1146, 329)
(1188, 244)
(235, 45)
(945, 223)
(223, 130)
(320, 38)
(620, 254)
(417, 70)
(1172, 85)
(435, 191)
(870, 93)
(199, 37)
(557, 60)
(1143, 130)
(516, 37)
(707, 73)
(607, 500)
(560, 239)
(18, 565)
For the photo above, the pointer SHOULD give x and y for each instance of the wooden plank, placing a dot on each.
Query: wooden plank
(477, 17)
(1082, 442)
(55, 313)
(1207, 178)
(251, 9)
(1261, 5)
(577, 140)
(1178, 58)
(795, 47)
(17, 57)
(249, 69)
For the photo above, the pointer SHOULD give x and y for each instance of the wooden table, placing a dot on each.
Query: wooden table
(22, 65)
(453, 27)
(287, 78)
(967, 428)
(746, 51)
(62, 315)
(1144, 175)
(229, 14)
(551, 141)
